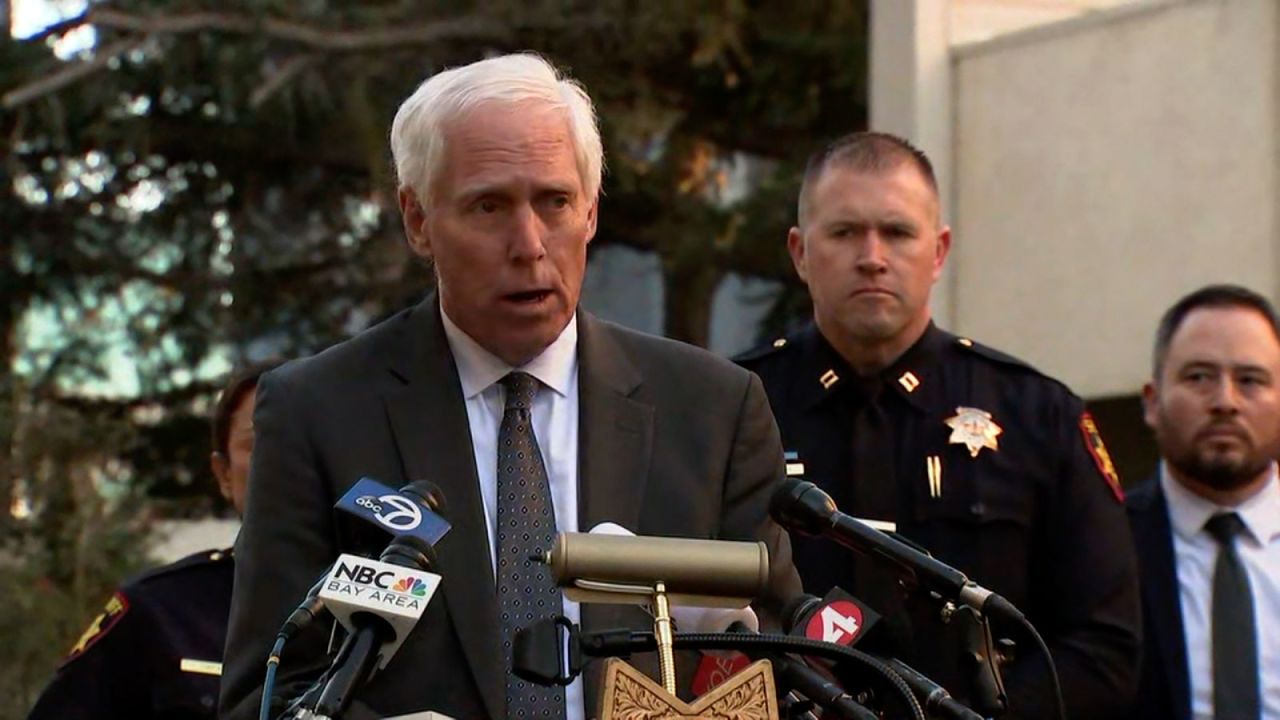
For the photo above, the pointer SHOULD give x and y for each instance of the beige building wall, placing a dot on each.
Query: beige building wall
(1104, 166)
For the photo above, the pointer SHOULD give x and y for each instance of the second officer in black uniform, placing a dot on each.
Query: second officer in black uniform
(990, 465)
(155, 650)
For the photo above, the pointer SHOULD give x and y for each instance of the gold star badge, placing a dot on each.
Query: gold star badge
(974, 429)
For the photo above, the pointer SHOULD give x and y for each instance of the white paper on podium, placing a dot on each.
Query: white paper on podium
(421, 716)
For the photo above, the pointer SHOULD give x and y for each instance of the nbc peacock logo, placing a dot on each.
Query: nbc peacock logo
(411, 586)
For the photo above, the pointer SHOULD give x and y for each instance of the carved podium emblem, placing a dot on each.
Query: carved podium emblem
(630, 695)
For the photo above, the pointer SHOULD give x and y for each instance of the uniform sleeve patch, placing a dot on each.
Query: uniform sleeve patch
(116, 607)
(1101, 458)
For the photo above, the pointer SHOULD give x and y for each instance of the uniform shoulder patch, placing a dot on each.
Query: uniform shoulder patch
(1101, 458)
(98, 628)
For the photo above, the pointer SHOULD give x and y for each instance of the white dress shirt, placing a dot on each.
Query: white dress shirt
(1196, 553)
(555, 425)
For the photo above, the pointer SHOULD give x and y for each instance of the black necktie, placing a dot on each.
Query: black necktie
(874, 486)
(1235, 640)
(526, 524)
(875, 497)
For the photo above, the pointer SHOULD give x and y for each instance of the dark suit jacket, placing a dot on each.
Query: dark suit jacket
(1164, 692)
(673, 441)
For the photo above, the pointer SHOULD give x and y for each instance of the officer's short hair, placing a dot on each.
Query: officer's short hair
(867, 151)
(1210, 296)
(239, 383)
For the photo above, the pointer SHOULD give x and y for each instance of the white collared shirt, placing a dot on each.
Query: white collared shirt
(555, 425)
(1196, 553)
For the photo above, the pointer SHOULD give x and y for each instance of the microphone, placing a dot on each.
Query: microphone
(602, 568)
(372, 502)
(410, 515)
(842, 619)
(803, 679)
(413, 510)
(802, 506)
(378, 602)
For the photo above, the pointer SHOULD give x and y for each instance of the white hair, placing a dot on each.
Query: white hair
(417, 133)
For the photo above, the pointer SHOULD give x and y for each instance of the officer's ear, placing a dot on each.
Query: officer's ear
(1150, 404)
(941, 251)
(795, 247)
(221, 467)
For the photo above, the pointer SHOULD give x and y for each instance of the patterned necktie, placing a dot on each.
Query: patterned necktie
(526, 524)
(1235, 639)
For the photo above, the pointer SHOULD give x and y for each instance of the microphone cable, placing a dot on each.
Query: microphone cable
(1060, 706)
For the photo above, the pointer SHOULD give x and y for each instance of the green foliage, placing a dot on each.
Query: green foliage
(78, 533)
(217, 189)
(211, 186)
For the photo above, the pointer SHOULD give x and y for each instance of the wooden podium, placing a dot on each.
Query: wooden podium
(629, 694)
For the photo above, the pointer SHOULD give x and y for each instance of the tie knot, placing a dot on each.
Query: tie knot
(521, 387)
(1224, 527)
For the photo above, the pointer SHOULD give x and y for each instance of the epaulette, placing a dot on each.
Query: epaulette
(194, 561)
(764, 351)
(1009, 361)
(994, 355)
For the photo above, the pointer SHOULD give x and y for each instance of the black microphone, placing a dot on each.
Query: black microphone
(377, 627)
(411, 516)
(842, 619)
(814, 686)
(802, 506)
(423, 492)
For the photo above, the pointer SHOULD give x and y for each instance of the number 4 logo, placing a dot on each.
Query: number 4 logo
(835, 626)
(838, 622)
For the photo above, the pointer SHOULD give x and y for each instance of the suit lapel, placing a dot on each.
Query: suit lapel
(1153, 536)
(615, 431)
(429, 420)
(615, 438)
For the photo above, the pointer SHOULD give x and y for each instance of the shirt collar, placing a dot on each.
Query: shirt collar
(479, 369)
(1188, 512)
(828, 374)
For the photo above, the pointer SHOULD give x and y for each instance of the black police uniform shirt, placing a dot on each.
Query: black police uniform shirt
(993, 468)
(154, 652)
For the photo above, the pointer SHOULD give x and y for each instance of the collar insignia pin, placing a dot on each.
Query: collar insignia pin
(974, 429)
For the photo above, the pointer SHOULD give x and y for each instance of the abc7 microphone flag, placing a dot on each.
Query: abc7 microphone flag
(381, 506)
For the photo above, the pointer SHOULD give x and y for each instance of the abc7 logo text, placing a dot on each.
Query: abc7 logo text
(396, 512)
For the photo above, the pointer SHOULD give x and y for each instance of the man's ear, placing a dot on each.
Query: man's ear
(1150, 404)
(593, 217)
(795, 247)
(414, 218)
(941, 251)
(221, 468)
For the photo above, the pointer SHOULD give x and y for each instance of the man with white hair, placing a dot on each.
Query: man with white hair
(499, 164)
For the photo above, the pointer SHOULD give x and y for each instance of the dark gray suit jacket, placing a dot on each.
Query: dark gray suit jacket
(1164, 690)
(673, 441)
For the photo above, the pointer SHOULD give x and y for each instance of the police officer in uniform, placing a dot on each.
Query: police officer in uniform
(991, 466)
(155, 651)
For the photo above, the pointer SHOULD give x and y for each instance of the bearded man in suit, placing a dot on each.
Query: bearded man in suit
(1206, 524)
(499, 164)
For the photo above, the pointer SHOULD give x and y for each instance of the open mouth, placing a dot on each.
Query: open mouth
(527, 297)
